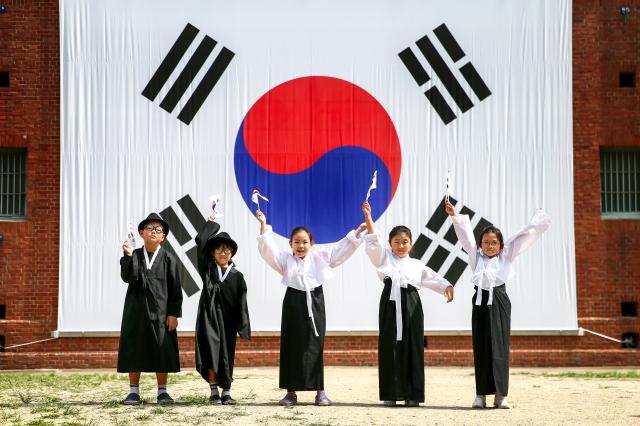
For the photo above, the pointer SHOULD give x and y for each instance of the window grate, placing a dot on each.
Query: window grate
(620, 182)
(13, 183)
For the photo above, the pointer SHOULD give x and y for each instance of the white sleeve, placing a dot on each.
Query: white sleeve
(342, 250)
(270, 252)
(464, 232)
(375, 249)
(432, 280)
(524, 238)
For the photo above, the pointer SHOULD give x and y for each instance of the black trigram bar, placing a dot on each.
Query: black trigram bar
(439, 216)
(177, 228)
(420, 246)
(207, 84)
(188, 74)
(188, 284)
(475, 81)
(449, 43)
(455, 270)
(438, 258)
(440, 105)
(192, 212)
(170, 62)
(444, 74)
(413, 65)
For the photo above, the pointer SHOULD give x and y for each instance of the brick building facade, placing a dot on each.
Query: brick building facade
(606, 43)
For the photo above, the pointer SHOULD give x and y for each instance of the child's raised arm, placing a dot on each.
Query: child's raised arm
(523, 239)
(366, 209)
(267, 246)
(343, 249)
(464, 232)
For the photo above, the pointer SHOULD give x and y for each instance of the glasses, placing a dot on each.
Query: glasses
(491, 243)
(158, 229)
(223, 251)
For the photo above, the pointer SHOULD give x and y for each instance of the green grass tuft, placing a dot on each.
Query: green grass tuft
(612, 375)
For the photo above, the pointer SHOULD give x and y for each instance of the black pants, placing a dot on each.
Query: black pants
(491, 332)
(401, 362)
(301, 351)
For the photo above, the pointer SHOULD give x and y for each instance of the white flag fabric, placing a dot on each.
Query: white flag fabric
(374, 184)
(164, 104)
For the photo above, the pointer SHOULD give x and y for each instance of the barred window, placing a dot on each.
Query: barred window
(620, 182)
(13, 183)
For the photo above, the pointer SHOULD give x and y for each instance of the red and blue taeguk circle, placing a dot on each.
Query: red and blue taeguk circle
(311, 145)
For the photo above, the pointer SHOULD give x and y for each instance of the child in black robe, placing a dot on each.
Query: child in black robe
(400, 318)
(153, 304)
(222, 310)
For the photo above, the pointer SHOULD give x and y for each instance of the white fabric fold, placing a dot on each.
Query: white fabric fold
(493, 272)
(312, 271)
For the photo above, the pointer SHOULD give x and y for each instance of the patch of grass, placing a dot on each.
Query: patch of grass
(250, 396)
(10, 381)
(41, 409)
(230, 415)
(25, 397)
(118, 422)
(68, 410)
(194, 399)
(111, 404)
(51, 416)
(161, 410)
(6, 417)
(39, 422)
(143, 417)
(612, 375)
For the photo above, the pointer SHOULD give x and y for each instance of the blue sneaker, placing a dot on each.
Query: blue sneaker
(164, 398)
(132, 399)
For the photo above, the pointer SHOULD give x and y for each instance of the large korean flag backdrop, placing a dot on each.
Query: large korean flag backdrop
(166, 103)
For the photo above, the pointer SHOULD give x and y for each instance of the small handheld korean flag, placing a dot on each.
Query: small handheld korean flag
(255, 197)
(215, 205)
(130, 235)
(448, 187)
(374, 184)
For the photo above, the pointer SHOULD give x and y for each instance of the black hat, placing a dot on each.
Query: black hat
(223, 238)
(156, 217)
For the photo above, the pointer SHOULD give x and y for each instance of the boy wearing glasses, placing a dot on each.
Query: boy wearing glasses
(153, 304)
(222, 310)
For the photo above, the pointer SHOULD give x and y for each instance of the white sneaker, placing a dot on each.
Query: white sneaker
(479, 402)
(501, 402)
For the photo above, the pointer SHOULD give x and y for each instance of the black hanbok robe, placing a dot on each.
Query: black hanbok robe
(401, 362)
(491, 334)
(153, 294)
(222, 313)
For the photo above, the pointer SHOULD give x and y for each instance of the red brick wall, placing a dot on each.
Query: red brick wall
(607, 251)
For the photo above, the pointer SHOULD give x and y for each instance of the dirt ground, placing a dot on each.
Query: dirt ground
(539, 396)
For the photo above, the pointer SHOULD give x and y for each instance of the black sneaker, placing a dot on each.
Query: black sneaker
(214, 399)
(227, 400)
(164, 398)
(132, 399)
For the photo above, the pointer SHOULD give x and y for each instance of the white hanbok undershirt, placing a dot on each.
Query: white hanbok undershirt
(403, 271)
(493, 272)
(310, 272)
